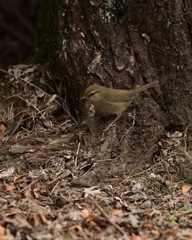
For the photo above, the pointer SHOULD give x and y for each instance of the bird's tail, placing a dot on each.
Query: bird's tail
(146, 86)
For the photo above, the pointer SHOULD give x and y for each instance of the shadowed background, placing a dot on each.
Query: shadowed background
(18, 28)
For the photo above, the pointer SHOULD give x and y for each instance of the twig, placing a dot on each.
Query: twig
(77, 153)
(28, 186)
(167, 170)
(54, 187)
(140, 173)
(128, 130)
(104, 160)
(106, 216)
(33, 85)
(16, 127)
(185, 213)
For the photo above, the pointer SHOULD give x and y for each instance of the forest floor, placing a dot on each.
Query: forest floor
(43, 159)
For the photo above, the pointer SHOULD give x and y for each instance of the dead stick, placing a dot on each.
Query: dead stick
(106, 216)
(17, 126)
(28, 186)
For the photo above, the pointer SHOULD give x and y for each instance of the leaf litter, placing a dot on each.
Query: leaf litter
(43, 158)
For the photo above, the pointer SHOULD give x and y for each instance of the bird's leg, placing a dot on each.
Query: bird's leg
(112, 123)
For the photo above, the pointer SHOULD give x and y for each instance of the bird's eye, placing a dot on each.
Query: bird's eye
(92, 94)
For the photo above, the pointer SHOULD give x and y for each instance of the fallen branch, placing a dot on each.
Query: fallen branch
(103, 213)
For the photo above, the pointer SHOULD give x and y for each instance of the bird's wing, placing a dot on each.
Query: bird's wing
(122, 96)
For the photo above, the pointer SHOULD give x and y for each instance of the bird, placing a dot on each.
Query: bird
(109, 101)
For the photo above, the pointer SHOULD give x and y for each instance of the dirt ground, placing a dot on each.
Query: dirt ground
(44, 158)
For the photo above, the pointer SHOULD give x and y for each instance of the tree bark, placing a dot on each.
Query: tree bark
(121, 44)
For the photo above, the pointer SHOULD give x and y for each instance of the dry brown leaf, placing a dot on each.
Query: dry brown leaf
(7, 172)
(44, 219)
(116, 212)
(34, 219)
(2, 130)
(10, 187)
(150, 214)
(83, 204)
(140, 238)
(149, 225)
(169, 233)
(185, 189)
(93, 222)
(80, 231)
(86, 212)
(11, 213)
(7, 188)
(2, 232)
(16, 177)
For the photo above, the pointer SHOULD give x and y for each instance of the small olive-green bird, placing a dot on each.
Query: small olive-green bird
(109, 101)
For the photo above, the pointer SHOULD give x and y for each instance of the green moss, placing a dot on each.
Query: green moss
(172, 218)
(186, 208)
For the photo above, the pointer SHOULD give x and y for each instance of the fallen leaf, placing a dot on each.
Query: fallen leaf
(2, 232)
(7, 173)
(170, 233)
(44, 219)
(185, 189)
(6, 188)
(86, 212)
(92, 191)
(2, 130)
(116, 212)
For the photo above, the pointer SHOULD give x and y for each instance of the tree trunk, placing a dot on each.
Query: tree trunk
(122, 44)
